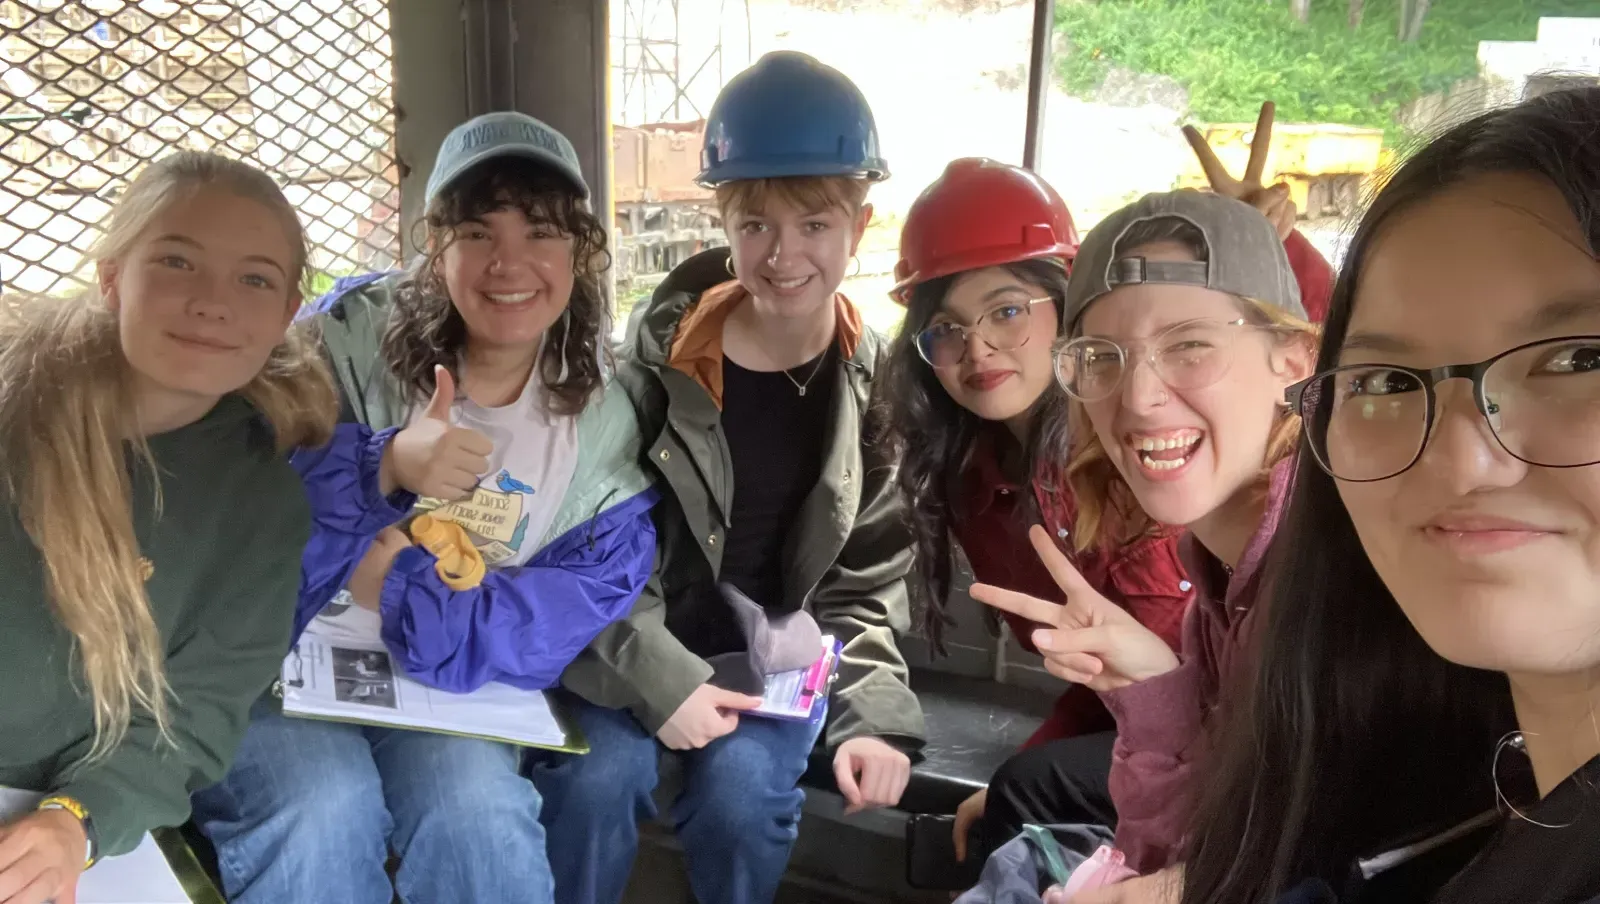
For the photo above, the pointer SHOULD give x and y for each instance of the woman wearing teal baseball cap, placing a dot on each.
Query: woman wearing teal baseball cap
(546, 497)
(751, 375)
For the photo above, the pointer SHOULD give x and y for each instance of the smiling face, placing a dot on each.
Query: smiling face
(509, 276)
(1186, 452)
(999, 379)
(1494, 561)
(202, 296)
(792, 246)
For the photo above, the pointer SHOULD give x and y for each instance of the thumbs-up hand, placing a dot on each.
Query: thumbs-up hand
(1089, 640)
(432, 457)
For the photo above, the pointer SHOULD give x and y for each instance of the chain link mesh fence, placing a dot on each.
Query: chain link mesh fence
(93, 89)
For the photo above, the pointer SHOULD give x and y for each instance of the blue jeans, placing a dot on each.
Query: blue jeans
(737, 816)
(311, 810)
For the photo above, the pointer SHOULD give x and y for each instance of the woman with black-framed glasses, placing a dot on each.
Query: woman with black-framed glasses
(1427, 700)
(1541, 400)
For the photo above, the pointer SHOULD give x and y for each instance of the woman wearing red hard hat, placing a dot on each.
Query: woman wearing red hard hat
(983, 434)
(984, 257)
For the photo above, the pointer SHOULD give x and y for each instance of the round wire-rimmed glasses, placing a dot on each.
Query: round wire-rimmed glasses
(1003, 327)
(1192, 354)
(1541, 401)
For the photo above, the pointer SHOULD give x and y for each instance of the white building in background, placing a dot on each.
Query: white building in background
(1566, 50)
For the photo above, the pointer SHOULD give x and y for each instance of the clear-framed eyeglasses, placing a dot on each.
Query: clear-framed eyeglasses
(1367, 422)
(1192, 354)
(1004, 328)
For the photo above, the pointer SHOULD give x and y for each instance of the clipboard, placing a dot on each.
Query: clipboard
(340, 671)
(801, 695)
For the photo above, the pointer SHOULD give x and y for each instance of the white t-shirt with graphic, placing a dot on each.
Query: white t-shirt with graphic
(535, 454)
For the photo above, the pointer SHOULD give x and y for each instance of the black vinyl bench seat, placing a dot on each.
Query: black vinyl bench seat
(974, 725)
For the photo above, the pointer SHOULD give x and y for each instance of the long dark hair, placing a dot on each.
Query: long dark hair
(426, 329)
(932, 437)
(1353, 733)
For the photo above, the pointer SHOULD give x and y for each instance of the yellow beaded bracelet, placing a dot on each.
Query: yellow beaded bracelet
(78, 810)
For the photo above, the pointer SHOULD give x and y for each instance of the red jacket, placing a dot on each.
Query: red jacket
(1161, 721)
(1145, 577)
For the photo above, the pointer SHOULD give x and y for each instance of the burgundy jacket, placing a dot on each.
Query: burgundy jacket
(1160, 721)
(1144, 577)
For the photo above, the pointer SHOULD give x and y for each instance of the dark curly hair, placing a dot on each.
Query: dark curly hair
(426, 329)
(932, 437)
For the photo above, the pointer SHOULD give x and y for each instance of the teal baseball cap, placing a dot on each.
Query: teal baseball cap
(503, 134)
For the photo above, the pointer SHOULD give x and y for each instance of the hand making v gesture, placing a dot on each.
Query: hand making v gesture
(1273, 202)
(1089, 640)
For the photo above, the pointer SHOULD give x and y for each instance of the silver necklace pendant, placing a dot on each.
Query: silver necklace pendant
(802, 391)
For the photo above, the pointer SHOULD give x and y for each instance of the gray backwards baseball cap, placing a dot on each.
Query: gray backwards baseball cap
(504, 134)
(1244, 256)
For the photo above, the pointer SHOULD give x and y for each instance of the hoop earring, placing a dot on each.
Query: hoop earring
(857, 261)
(727, 264)
(1515, 741)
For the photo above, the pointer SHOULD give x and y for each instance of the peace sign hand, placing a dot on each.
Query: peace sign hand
(1273, 202)
(1090, 640)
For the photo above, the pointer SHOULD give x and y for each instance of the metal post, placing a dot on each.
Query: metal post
(1039, 79)
(561, 69)
(677, 60)
(491, 42)
(430, 96)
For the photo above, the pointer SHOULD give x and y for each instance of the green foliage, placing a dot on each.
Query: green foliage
(1233, 54)
(321, 284)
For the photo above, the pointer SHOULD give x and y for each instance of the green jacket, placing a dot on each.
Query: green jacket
(846, 558)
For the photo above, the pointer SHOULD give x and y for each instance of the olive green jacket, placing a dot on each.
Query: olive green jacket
(845, 560)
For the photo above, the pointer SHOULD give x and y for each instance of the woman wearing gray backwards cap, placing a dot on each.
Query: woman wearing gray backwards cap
(1185, 327)
(544, 538)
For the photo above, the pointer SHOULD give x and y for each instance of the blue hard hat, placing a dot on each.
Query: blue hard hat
(789, 115)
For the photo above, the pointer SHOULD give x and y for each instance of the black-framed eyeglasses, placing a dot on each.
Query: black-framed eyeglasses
(1541, 400)
(1003, 328)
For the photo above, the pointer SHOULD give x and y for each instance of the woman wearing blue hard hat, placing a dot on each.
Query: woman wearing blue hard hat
(781, 524)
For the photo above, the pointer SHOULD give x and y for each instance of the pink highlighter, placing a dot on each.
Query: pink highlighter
(814, 679)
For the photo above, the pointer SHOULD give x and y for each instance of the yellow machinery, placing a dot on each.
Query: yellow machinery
(1327, 167)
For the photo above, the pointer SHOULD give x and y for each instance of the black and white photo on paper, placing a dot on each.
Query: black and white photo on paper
(363, 676)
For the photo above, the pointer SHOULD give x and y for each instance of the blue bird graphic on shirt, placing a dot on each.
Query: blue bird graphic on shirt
(512, 485)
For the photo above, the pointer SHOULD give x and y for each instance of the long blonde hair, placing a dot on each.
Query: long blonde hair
(1108, 513)
(67, 423)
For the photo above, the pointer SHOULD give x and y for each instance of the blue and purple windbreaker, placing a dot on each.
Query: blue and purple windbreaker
(522, 625)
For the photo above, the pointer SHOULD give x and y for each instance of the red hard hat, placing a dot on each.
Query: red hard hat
(981, 213)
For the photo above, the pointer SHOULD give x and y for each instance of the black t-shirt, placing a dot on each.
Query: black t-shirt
(776, 438)
(1534, 864)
